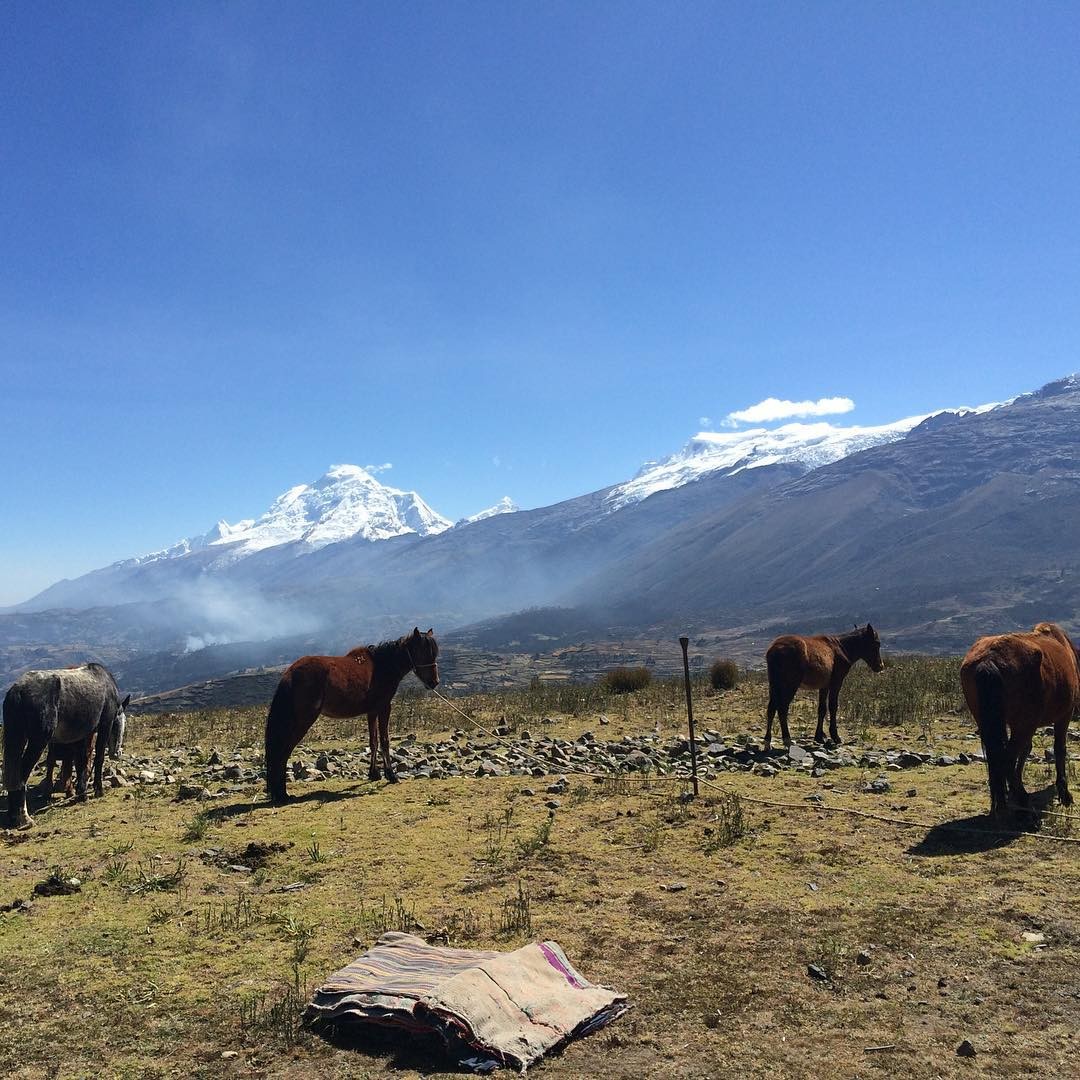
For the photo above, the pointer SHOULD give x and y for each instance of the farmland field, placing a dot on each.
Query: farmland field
(753, 939)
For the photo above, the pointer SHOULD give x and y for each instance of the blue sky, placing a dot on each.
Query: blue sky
(510, 248)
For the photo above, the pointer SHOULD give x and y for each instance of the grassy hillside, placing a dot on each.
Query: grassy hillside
(199, 926)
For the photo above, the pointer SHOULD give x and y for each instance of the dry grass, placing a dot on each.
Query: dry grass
(165, 960)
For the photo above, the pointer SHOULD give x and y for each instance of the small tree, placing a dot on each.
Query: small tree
(724, 675)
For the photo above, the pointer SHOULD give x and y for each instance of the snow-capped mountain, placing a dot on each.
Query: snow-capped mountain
(348, 502)
(809, 445)
(505, 505)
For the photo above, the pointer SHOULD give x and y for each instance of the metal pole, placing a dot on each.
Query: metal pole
(684, 642)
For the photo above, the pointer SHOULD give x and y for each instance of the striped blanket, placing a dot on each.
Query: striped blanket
(491, 1008)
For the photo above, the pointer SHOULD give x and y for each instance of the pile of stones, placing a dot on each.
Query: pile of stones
(527, 755)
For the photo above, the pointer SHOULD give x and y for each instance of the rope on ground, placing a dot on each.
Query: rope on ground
(825, 807)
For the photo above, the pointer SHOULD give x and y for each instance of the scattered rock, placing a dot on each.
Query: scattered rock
(193, 791)
(862, 958)
(675, 886)
(817, 972)
(965, 1049)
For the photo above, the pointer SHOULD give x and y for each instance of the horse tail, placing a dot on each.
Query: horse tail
(279, 726)
(990, 695)
(14, 738)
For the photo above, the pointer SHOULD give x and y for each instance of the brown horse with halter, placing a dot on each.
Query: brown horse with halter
(820, 663)
(1013, 684)
(364, 680)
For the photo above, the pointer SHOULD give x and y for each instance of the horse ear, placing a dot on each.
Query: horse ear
(416, 631)
(124, 704)
(869, 630)
(430, 631)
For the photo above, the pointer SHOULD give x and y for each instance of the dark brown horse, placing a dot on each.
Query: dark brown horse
(820, 663)
(364, 680)
(1013, 684)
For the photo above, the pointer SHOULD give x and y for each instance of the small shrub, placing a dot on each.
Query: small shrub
(538, 839)
(515, 914)
(724, 675)
(623, 680)
(197, 827)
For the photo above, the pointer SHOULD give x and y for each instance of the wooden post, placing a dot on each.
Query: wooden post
(685, 642)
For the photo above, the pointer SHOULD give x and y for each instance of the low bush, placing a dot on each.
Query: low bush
(724, 675)
(622, 680)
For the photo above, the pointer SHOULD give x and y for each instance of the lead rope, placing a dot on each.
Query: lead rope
(824, 807)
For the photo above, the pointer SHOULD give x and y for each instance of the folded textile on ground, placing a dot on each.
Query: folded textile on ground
(489, 1008)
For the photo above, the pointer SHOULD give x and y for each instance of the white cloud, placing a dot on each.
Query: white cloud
(376, 469)
(704, 422)
(771, 409)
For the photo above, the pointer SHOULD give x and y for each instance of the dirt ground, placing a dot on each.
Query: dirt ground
(753, 940)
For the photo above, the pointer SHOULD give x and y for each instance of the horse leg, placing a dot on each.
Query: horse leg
(373, 743)
(1060, 757)
(769, 714)
(822, 702)
(46, 787)
(99, 746)
(784, 705)
(81, 753)
(67, 770)
(1017, 749)
(17, 812)
(834, 699)
(384, 741)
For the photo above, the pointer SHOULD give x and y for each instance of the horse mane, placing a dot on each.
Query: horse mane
(100, 669)
(386, 650)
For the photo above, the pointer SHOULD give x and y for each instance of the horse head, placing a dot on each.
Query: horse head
(424, 653)
(871, 649)
(116, 732)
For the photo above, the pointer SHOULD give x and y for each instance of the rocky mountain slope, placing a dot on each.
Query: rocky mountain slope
(957, 524)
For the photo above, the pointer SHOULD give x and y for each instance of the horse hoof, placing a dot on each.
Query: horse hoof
(374, 775)
(279, 798)
(836, 740)
(1065, 796)
(391, 776)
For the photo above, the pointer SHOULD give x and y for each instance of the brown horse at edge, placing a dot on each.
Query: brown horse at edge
(364, 680)
(820, 663)
(1013, 684)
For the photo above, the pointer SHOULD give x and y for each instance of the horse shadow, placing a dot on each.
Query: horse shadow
(38, 803)
(980, 833)
(318, 795)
